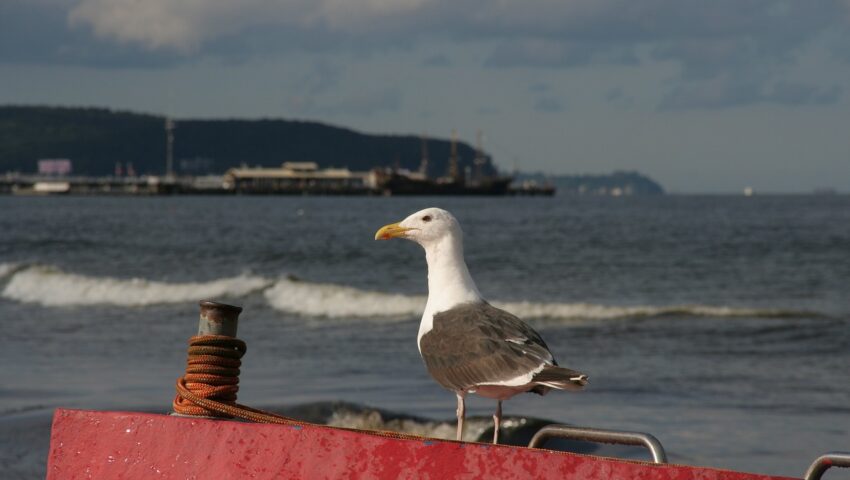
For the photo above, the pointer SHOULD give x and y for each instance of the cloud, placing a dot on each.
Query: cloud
(322, 78)
(549, 105)
(36, 32)
(715, 93)
(438, 60)
(539, 87)
(366, 103)
(802, 94)
(614, 94)
(617, 96)
(558, 54)
(186, 26)
(729, 91)
(488, 110)
(731, 46)
(153, 25)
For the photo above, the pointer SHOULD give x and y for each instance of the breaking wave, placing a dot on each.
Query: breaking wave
(337, 301)
(49, 286)
(7, 269)
(588, 311)
(515, 430)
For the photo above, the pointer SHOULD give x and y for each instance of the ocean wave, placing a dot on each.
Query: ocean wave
(515, 430)
(50, 286)
(588, 311)
(7, 269)
(338, 301)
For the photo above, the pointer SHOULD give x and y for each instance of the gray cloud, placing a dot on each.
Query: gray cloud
(716, 93)
(555, 54)
(725, 49)
(539, 87)
(598, 25)
(802, 94)
(322, 78)
(36, 32)
(618, 96)
(365, 103)
(488, 110)
(726, 91)
(548, 105)
(744, 59)
(614, 94)
(437, 61)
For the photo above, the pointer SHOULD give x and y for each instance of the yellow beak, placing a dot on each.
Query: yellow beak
(392, 230)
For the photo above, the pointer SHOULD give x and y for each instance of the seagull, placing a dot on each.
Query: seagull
(468, 345)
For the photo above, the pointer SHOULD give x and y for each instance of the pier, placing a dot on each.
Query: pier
(292, 178)
(17, 184)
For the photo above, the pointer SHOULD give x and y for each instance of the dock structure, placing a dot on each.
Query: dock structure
(17, 184)
(298, 178)
(291, 178)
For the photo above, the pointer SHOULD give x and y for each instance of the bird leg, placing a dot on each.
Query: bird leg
(497, 421)
(461, 414)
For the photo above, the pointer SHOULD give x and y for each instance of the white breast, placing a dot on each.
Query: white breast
(449, 281)
(425, 326)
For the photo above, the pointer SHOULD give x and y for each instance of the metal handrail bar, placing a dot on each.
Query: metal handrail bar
(825, 461)
(599, 435)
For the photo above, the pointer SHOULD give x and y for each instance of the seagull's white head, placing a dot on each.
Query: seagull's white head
(449, 282)
(425, 227)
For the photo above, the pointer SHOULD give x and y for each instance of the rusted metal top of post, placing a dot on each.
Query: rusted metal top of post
(218, 319)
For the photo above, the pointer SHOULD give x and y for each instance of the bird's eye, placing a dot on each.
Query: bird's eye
(426, 218)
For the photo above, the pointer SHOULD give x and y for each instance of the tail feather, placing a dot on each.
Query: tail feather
(561, 378)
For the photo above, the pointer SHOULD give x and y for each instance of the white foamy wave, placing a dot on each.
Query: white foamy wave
(6, 269)
(52, 287)
(587, 311)
(336, 301)
(474, 427)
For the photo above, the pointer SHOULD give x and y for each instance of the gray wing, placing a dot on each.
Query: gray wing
(477, 343)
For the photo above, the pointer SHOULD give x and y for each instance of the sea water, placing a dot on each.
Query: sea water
(719, 324)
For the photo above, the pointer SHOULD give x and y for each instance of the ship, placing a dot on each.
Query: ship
(400, 182)
(396, 181)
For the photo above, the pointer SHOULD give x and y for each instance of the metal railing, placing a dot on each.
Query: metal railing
(598, 435)
(825, 461)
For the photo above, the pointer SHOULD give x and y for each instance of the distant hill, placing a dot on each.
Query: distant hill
(617, 183)
(96, 139)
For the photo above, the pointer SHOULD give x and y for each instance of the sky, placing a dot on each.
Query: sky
(703, 96)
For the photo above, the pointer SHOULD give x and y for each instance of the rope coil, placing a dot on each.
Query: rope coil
(212, 373)
(209, 387)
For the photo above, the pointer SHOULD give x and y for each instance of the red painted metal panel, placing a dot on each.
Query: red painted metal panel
(90, 444)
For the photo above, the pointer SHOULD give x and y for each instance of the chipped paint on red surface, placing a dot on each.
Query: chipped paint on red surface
(92, 444)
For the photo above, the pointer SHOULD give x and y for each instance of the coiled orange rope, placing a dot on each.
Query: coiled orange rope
(212, 372)
(209, 387)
